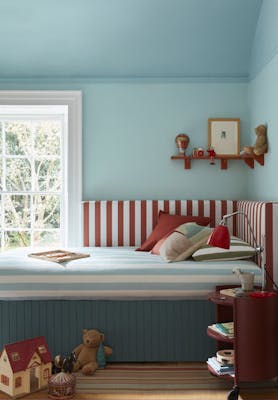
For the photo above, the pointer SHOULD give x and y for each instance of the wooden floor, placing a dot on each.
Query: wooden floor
(159, 381)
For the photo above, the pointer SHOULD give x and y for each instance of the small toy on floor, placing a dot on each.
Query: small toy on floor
(63, 364)
(25, 367)
(91, 354)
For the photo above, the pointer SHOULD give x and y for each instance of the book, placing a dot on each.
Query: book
(220, 369)
(58, 256)
(226, 327)
(215, 328)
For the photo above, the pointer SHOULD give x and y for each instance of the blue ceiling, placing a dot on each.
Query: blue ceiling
(126, 38)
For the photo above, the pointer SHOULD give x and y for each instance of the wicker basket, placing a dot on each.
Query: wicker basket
(61, 386)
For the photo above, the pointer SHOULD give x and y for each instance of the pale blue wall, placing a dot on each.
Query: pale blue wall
(132, 138)
(263, 100)
(129, 132)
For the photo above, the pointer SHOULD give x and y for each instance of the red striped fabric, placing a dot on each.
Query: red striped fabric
(128, 223)
(143, 220)
(86, 224)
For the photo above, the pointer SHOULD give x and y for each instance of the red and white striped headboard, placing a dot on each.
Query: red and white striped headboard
(129, 222)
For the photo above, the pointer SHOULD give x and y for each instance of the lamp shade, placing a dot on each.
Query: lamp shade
(220, 237)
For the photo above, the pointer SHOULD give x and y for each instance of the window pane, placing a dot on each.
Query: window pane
(48, 138)
(16, 239)
(18, 138)
(46, 211)
(17, 211)
(18, 174)
(1, 174)
(46, 238)
(48, 175)
(1, 137)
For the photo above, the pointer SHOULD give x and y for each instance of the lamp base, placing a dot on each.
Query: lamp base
(258, 294)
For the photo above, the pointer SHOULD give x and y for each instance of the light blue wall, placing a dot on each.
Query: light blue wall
(132, 133)
(129, 132)
(263, 100)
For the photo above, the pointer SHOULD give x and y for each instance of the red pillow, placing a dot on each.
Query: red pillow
(166, 223)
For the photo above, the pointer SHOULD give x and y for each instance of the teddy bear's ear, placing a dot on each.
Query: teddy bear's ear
(85, 331)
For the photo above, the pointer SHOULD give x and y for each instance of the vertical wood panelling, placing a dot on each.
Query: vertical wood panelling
(137, 330)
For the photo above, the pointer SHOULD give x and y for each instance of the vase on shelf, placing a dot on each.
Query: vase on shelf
(182, 141)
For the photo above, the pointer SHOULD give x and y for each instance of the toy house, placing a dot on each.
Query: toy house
(25, 366)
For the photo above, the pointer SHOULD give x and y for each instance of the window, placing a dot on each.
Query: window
(42, 349)
(18, 382)
(46, 374)
(5, 380)
(33, 183)
(40, 167)
(15, 356)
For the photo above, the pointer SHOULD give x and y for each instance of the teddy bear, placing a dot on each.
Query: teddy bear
(260, 146)
(87, 352)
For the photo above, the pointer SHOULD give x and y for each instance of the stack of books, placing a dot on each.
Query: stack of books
(219, 368)
(224, 328)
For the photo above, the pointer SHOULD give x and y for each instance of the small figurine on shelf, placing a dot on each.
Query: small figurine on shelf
(195, 152)
(182, 141)
(260, 146)
(200, 152)
(212, 155)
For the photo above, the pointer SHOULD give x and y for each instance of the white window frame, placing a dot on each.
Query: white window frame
(73, 100)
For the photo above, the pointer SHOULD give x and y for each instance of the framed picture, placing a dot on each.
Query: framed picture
(224, 136)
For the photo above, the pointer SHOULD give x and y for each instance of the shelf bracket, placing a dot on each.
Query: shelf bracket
(224, 163)
(259, 159)
(187, 163)
(249, 162)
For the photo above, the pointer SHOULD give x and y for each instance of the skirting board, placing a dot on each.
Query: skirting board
(138, 331)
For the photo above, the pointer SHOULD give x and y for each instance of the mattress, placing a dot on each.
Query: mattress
(114, 273)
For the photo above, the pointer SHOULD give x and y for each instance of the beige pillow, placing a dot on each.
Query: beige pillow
(184, 241)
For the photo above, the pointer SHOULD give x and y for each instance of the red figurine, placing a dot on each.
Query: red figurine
(212, 155)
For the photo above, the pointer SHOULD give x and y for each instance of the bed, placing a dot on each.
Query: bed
(148, 309)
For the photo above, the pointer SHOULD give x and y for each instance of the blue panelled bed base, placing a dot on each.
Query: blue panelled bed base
(138, 331)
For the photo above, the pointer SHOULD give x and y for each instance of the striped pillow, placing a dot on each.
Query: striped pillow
(237, 251)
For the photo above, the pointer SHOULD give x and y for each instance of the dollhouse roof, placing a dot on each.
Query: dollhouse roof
(20, 353)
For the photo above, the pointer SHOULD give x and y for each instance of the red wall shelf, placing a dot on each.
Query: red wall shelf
(248, 159)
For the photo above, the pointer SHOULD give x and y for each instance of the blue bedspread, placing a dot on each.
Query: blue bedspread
(113, 273)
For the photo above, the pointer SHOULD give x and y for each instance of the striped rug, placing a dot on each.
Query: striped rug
(153, 381)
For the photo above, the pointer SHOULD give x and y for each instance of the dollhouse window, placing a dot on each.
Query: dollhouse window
(46, 374)
(18, 382)
(42, 349)
(15, 356)
(5, 380)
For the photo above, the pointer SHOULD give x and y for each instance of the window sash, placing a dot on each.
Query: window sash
(73, 142)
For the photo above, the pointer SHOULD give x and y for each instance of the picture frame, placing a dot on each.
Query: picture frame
(224, 136)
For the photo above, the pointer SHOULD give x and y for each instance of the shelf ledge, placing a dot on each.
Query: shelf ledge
(248, 159)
